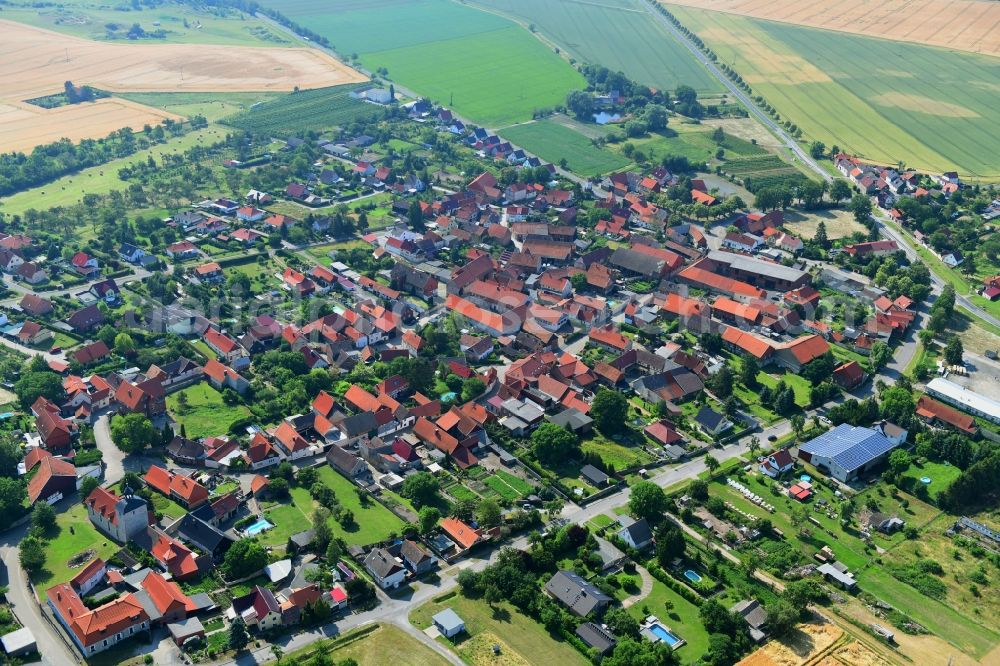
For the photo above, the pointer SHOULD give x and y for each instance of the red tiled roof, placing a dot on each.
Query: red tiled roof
(460, 533)
(757, 347)
(91, 626)
(806, 348)
(102, 502)
(87, 572)
(166, 595)
(48, 470)
(929, 408)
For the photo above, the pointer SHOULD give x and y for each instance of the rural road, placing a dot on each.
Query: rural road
(52, 647)
(768, 122)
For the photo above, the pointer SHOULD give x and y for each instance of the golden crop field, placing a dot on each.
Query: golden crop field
(36, 62)
(965, 25)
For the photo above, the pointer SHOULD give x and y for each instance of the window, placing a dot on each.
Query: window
(105, 642)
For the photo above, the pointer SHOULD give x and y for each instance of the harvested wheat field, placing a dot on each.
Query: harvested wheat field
(804, 643)
(36, 62)
(964, 25)
(24, 126)
(839, 223)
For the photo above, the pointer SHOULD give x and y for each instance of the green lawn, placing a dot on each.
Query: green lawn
(374, 522)
(287, 518)
(799, 385)
(943, 119)
(521, 635)
(681, 617)
(498, 486)
(555, 142)
(940, 474)
(618, 34)
(166, 506)
(204, 349)
(613, 453)
(486, 67)
(76, 534)
(205, 415)
(382, 645)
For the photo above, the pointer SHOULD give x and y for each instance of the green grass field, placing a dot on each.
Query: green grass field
(211, 105)
(205, 415)
(90, 19)
(486, 67)
(931, 108)
(374, 521)
(102, 179)
(323, 108)
(521, 635)
(617, 34)
(383, 645)
(554, 142)
(76, 534)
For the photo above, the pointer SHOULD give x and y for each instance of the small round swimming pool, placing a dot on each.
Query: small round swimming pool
(925, 479)
(692, 576)
(805, 477)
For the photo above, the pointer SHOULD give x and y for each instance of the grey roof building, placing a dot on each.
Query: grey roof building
(637, 263)
(754, 615)
(596, 636)
(18, 643)
(577, 594)
(594, 476)
(573, 420)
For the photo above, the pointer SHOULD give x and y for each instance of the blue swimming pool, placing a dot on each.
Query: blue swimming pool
(449, 396)
(258, 527)
(805, 477)
(664, 634)
(692, 576)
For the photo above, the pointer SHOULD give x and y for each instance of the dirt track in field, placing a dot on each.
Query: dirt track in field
(965, 25)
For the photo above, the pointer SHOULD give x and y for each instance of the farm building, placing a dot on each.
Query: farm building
(847, 451)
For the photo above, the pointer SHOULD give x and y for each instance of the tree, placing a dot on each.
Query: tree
(428, 519)
(820, 237)
(953, 351)
(749, 369)
(472, 388)
(648, 501)
(722, 383)
(819, 369)
(781, 617)
(43, 517)
(861, 206)
(609, 411)
(124, 344)
(656, 117)
(712, 463)
(580, 103)
(278, 488)
(10, 455)
(817, 149)
(880, 355)
(322, 530)
(719, 135)
(87, 486)
(899, 461)
(415, 216)
(698, 489)
(754, 446)
(422, 488)
(579, 281)
(488, 513)
(798, 425)
(244, 558)
(132, 432)
(621, 623)
(238, 636)
(552, 443)
(669, 544)
(840, 190)
(32, 554)
(31, 385)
